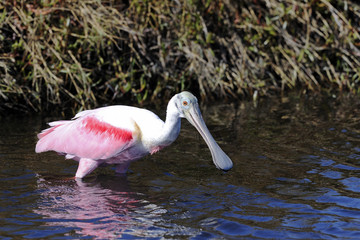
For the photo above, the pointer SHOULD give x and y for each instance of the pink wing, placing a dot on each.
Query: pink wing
(85, 137)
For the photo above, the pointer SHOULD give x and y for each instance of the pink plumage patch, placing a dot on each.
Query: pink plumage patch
(156, 149)
(106, 130)
(46, 132)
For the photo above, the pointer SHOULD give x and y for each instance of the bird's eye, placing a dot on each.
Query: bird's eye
(185, 103)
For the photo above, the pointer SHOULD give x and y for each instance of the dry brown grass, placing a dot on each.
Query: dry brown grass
(81, 54)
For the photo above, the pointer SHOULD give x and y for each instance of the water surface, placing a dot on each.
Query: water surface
(296, 176)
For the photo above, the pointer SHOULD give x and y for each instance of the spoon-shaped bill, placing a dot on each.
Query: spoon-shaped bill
(220, 159)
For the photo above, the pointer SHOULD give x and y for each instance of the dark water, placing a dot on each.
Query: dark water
(296, 176)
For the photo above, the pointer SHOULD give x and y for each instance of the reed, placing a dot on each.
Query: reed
(81, 54)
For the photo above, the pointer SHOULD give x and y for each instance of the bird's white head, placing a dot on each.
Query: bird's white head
(188, 107)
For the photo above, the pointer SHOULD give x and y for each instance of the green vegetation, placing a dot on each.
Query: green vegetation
(81, 54)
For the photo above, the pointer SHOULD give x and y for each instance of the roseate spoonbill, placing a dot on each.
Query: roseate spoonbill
(121, 134)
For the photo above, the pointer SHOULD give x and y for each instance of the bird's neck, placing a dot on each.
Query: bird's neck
(171, 128)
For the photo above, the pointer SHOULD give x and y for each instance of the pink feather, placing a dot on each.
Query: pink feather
(85, 137)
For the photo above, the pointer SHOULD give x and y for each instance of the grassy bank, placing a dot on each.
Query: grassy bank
(81, 54)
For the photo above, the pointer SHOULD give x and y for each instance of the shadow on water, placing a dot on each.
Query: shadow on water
(296, 175)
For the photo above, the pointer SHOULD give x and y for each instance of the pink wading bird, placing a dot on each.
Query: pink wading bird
(121, 134)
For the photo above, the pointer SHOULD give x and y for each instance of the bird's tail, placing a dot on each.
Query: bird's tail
(41, 145)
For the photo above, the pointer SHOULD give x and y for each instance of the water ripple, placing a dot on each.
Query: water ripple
(295, 176)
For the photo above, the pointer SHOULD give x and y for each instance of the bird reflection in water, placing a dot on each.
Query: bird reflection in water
(102, 208)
